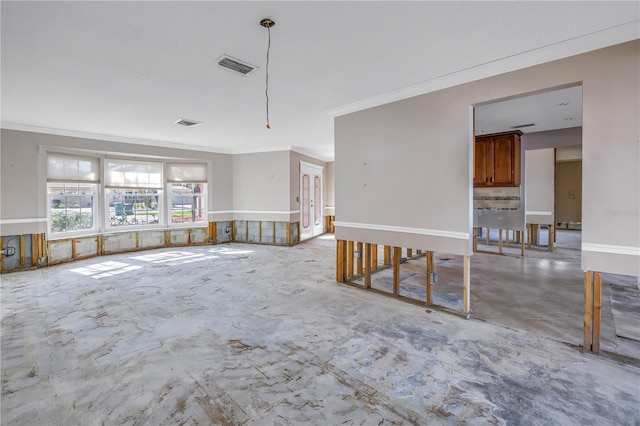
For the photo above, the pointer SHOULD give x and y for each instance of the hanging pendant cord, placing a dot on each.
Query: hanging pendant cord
(266, 90)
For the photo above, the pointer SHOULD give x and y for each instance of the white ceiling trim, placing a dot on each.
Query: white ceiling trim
(597, 40)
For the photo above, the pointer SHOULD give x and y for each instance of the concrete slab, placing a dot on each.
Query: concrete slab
(253, 334)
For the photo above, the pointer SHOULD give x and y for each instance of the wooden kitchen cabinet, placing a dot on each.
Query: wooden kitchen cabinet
(497, 159)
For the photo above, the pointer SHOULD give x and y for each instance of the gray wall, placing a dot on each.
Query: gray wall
(403, 172)
(23, 174)
(539, 185)
(552, 138)
(261, 183)
(330, 188)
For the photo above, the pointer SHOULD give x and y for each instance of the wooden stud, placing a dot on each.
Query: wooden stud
(507, 241)
(429, 272)
(475, 239)
(387, 256)
(22, 249)
(1, 255)
(340, 261)
(397, 255)
(488, 236)
(167, 238)
(35, 245)
(500, 241)
(74, 253)
(521, 239)
(350, 269)
(214, 232)
(374, 256)
(367, 266)
(588, 303)
(597, 311)
(359, 259)
(246, 230)
(288, 226)
(273, 226)
(409, 253)
(99, 243)
(260, 231)
(552, 237)
(466, 283)
(418, 252)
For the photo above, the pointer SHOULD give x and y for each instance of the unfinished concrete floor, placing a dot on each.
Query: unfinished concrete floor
(541, 293)
(252, 334)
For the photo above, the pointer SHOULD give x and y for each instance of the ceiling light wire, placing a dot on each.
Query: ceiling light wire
(266, 90)
(267, 23)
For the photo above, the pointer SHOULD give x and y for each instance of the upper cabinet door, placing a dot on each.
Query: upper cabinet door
(483, 152)
(503, 161)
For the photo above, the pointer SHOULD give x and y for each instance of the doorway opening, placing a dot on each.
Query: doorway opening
(311, 200)
(535, 285)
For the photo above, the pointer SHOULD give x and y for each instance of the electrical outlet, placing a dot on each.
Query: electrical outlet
(357, 253)
(434, 278)
(9, 251)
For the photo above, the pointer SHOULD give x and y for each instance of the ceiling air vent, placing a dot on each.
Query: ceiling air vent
(187, 123)
(519, 126)
(235, 65)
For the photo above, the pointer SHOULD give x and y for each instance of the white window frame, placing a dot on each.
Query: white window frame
(94, 171)
(84, 171)
(181, 172)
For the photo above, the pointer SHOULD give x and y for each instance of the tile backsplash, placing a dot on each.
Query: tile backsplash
(497, 198)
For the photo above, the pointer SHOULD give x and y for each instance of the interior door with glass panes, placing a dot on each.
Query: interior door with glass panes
(311, 223)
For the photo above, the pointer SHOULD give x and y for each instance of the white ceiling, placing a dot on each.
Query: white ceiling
(552, 110)
(126, 71)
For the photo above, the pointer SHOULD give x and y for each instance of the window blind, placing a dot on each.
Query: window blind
(71, 168)
(186, 172)
(133, 174)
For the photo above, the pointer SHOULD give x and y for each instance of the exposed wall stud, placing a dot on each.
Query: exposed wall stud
(22, 249)
(35, 244)
(429, 262)
(374, 256)
(466, 283)
(367, 266)
(588, 303)
(350, 265)
(397, 255)
(288, 225)
(359, 259)
(340, 261)
(387, 256)
(597, 312)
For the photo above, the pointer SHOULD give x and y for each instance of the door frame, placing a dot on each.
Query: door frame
(317, 227)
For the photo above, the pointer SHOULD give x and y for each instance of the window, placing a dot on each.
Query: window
(134, 192)
(187, 187)
(71, 207)
(133, 206)
(71, 193)
(131, 193)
